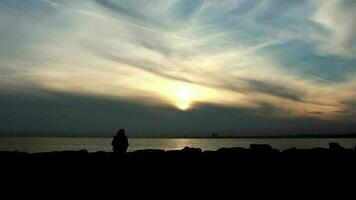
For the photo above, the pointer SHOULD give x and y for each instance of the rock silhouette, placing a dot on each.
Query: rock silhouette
(120, 142)
(240, 165)
(259, 164)
(332, 158)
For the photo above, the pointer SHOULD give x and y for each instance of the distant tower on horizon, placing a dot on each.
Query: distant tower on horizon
(214, 135)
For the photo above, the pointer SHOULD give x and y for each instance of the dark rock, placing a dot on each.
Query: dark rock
(335, 147)
(232, 150)
(265, 148)
(256, 158)
(186, 152)
(260, 147)
(191, 151)
(210, 153)
(292, 150)
(149, 152)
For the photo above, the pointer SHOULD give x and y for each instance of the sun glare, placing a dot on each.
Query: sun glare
(184, 98)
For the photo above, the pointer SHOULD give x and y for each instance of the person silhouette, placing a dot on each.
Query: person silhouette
(120, 142)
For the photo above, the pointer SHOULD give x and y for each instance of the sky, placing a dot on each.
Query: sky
(178, 67)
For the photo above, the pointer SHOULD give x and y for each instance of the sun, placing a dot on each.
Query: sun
(184, 98)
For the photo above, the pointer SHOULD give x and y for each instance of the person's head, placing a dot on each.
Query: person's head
(121, 132)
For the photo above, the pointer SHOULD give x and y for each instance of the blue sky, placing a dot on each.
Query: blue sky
(240, 66)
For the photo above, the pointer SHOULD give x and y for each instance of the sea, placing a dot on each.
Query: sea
(50, 144)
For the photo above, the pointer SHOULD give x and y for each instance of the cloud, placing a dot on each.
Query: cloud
(184, 9)
(274, 89)
(100, 116)
(338, 18)
(147, 51)
(51, 3)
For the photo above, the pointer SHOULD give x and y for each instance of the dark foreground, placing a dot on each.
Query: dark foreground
(261, 157)
(259, 166)
(258, 170)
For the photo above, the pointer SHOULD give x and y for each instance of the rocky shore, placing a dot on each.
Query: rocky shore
(257, 166)
(227, 158)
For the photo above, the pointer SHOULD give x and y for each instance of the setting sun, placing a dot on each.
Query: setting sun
(184, 98)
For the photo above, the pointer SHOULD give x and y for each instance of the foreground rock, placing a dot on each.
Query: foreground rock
(256, 159)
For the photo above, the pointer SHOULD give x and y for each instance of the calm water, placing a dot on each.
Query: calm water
(44, 144)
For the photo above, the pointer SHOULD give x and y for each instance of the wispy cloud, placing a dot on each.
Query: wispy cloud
(338, 18)
(225, 53)
(51, 3)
